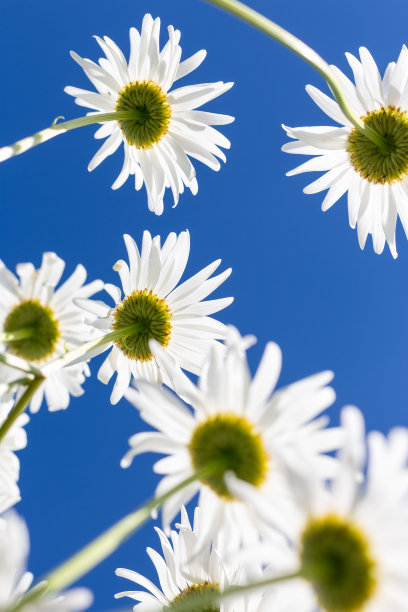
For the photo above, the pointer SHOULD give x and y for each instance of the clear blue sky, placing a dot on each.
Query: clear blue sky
(299, 277)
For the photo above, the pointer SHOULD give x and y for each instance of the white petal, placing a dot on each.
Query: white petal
(267, 374)
(322, 162)
(328, 105)
(371, 75)
(108, 148)
(322, 137)
(190, 64)
(336, 191)
(326, 180)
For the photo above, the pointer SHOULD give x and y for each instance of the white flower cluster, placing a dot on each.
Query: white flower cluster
(313, 542)
(155, 306)
(291, 514)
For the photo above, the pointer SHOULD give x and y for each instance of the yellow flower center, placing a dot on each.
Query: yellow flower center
(194, 595)
(336, 558)
(230, 442)
(150, 317)
(33, 316)
(152, 113)
(372, 163)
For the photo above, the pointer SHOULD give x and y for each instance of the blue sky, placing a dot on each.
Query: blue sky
(299, 277)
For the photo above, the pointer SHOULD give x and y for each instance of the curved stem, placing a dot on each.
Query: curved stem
(21, 146)
(237, 589)
(18, 334)
(68, 358)
(16, 363)
(262, 23)
(101, 547)
(81, 352)
(20, 406)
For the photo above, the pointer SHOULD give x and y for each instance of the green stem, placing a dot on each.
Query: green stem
(57, 364)
(20, 406)
(237, 590)
(21, 146)
(80, 352)
(18, 334)
(210, 600)
(104, 545)
(101, 547)
(17, 364)
(265, 25)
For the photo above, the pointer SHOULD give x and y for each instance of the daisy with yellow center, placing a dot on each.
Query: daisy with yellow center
(239, 435)
(156, 307)
(351, 538)
(183, 578)
(164, 128)
(39, 322)
(374, 177)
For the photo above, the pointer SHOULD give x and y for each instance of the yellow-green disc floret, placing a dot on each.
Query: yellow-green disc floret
(371, 162)
(32, 315)
(152, 113)
(193, 594)
(150, 317)
(230, 442)
(336, 559)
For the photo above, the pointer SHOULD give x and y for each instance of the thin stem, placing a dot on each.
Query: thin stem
(237, 590)
(18, 334)
(101, 547)
(20, 406)
(21, 146)
(262, 23)
(80, 353)
(17, 364)
(208, 599)
(95, 552)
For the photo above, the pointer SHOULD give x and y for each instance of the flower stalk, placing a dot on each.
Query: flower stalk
(81, 353)
(101, 547)
(68, 358)
(21, 405)
(18, 334)
(207, 599)
(285, 38)
(21, 146)
(16, 363)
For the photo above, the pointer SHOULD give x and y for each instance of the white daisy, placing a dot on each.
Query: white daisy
(351, 542)
(376, 180)
(166, 127)
(241, 430)
(15, 439)
(15, 581)
(48, 322)
(156, 308)
(184, 578)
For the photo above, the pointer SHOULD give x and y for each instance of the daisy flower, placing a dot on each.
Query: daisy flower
(351, 542)
(165, 129)
(15, 581)
(375, 179)
(240, 436)
(154, 307)
(15, 439)
(46, 323)
(184, 578)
